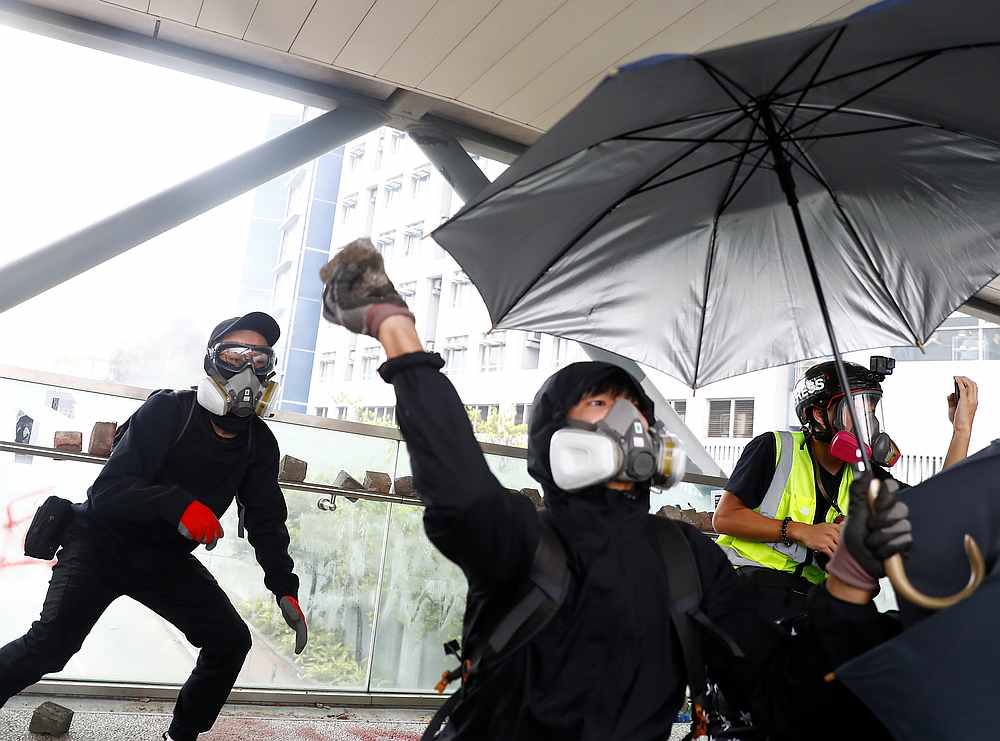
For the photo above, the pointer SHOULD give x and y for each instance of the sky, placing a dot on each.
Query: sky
(85, 134)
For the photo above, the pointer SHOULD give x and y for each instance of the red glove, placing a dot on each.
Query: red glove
(296, 619)
(200, 524)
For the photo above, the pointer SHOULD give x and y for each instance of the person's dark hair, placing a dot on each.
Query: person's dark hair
(614, 386)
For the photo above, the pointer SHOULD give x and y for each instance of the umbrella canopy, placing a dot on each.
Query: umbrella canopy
(651, 220)
(938, 679)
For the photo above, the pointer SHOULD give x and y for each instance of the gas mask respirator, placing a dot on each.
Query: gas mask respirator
(844, 444)
(240, 380)
(618, 448)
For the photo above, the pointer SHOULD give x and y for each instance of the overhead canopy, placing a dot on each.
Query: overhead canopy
(497, 73)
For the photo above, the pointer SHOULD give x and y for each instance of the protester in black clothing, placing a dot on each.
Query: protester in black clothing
(607, 666)
(184, 456)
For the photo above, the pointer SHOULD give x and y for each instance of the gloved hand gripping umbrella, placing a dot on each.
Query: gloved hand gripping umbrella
(692, 210)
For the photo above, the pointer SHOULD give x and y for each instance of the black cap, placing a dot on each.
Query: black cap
(256, 321)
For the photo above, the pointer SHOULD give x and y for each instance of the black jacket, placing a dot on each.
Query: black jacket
(608, 665)
(152, 477)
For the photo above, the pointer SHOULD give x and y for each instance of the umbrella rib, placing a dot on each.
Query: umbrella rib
(856, 132)
(682, 119)
(710, 258)
(894, 117)
(812, 79)
(685, 140)
(863, 93)
(814, 172)
(632, 192)
(801, 60)
(739, 188)
(922, 56)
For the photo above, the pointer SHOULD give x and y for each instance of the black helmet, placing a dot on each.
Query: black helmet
(820, 385)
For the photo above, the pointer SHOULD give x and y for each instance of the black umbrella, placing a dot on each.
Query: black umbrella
(938, 678)
(671, 216)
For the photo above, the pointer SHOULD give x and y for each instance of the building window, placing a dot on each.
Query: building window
(459, 286)
(532, 350)
(522, 413)
(357, 157)
(455, 351)
(349, 207)
(349, 370)
(391, 189)
(408, 290)
(436, 286)
(341, 412)
(327, 363)
(386, 243)
(680, 406)
(730, 418)
(491, 352)
(958, 338)
(369, 363)
(322, 411)
(379, 151)
(482, 411)
(411, 238)
(385, 415)
(561, 349)
(396, 141)
(419, 180)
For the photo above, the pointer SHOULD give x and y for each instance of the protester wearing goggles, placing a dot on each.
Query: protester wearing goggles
(781, 512)
(177, 465)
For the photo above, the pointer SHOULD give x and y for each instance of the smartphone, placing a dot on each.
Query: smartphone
(958, 392)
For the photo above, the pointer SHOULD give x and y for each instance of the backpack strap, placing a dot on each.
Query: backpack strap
(549, 580)
(684, 583)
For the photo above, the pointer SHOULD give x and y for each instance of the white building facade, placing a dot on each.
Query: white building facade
(391, 193)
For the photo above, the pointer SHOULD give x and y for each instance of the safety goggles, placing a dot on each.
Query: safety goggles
(866, 410)
(232, 357)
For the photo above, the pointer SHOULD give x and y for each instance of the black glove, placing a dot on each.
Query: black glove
(359, 295)
(872, 537)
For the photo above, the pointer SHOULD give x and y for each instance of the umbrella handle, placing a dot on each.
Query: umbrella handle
(904, 587)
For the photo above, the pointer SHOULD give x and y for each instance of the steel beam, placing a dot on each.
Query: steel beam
(65, 258)
(451, 160)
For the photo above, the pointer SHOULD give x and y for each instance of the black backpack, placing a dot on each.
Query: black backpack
(548, 584)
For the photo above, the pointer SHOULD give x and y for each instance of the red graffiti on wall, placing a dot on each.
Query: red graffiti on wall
(14, 521)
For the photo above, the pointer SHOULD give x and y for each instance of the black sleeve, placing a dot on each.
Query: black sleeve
(754, 470)
(265, 512)
(780, 679)
(792, 691)
(469, 516)
(124, 491)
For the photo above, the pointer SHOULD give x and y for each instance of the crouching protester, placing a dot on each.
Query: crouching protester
(589, 620)
(178, 464)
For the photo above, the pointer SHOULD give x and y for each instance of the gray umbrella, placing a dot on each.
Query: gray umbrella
(652, 220)
(669, 217)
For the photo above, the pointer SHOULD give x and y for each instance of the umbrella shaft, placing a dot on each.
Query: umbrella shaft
(787, 180)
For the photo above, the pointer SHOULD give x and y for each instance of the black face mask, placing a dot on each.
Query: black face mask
(232, 424)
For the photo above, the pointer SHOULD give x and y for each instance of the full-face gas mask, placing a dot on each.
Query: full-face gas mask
(618, 448)
(844, 444)
(240, 380)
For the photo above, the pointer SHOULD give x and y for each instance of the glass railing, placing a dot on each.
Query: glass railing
(381, 600)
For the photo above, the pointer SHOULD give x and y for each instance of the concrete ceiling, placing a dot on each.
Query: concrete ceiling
(513, 67)
(500, 71)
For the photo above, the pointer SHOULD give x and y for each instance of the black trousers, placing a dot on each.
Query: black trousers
(775, 595)
(89, 576)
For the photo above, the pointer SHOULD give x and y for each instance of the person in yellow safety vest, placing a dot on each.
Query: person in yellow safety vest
(780, 515)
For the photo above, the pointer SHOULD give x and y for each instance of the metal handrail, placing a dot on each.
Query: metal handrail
(138, 393)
